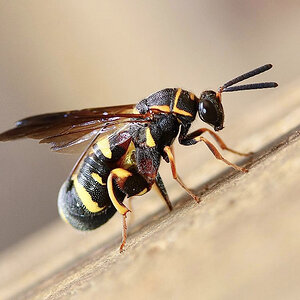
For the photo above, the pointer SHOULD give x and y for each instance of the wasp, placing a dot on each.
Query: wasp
(123, 146)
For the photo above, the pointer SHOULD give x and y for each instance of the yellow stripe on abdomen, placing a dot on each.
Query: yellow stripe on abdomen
(85, 197)
(98, 178)
(104, 147)
(62, 215)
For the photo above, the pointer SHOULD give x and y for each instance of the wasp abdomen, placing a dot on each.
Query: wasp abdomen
(72, 210)
(83, 200)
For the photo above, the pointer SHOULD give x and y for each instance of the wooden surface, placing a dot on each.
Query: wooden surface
(241, 242)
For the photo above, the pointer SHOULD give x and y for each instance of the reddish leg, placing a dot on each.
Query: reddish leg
(189, 138)
(122, 177)
(124, 234)
(170, 155)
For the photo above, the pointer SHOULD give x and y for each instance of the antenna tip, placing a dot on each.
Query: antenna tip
(268, 66)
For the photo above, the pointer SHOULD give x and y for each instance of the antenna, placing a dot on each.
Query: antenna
(227, 87)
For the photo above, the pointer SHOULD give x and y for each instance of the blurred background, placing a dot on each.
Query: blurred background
(63, 55)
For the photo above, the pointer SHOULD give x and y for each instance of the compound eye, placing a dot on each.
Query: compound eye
(208, 112)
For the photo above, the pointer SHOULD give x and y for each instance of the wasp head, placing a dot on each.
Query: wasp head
(211, 110)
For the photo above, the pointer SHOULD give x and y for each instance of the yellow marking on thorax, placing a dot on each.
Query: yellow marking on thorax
(163, 108)
(192, 96)
(104, 146)
(128, 160)
(178, 110)
(149, 139)
(98, 178)
(85, 197)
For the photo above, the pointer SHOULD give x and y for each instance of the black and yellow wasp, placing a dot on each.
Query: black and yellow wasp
(124, 146)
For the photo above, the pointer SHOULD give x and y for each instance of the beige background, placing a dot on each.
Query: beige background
(61, 55)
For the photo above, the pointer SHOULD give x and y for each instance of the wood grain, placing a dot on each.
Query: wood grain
(242, 240)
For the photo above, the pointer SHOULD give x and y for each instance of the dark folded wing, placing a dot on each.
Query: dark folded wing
(69, 129)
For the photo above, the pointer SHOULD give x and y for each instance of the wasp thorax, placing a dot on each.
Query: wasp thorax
(211, 110)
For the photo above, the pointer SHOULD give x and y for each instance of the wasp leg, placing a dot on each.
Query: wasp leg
(131, 216)
(190, 140)
(160, 188)
(124, 234)
(118, 175)
(170, 155)
(194, 134)
(130, 184)
(120, 207)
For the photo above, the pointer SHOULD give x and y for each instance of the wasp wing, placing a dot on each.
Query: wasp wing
(75, 142)
(66, 129)
(46, 125)
(117, 134)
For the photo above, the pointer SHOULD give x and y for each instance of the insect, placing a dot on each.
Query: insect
(123, 147)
